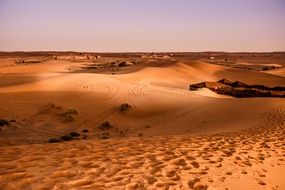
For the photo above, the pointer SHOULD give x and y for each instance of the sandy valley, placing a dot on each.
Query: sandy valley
(129, 121)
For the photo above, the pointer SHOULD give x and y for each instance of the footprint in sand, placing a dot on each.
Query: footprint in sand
(260, 182)
(195, 164)
(80, 182)
(63, 173)
(191, 182)
(200, 186)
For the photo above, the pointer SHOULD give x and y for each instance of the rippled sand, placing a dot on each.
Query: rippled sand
(250, 159)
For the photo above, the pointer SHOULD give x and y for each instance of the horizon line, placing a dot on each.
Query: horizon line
(208, 51)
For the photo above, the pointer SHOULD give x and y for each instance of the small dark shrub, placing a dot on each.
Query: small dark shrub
(105, 136)
(66, 138)
(68, 115)
(105, 125)
(69, 112)
(54, 141)
(4, 122)
(67, 118)
(74, 134)
(48, 108)
(124, 107)
(85, 131)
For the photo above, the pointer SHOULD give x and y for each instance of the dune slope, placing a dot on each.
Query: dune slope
(168, 138)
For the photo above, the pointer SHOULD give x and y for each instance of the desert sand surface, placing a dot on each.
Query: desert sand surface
(131, 121)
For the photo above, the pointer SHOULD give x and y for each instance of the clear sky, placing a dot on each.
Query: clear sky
(142, 25)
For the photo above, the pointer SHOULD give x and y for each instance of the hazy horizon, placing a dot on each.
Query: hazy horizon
(142, 26)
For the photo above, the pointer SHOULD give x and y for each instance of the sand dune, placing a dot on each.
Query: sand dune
(157, 101)
(169, 138)
(278, 72)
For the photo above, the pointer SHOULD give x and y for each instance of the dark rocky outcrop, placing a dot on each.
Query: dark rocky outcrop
(249, 92)
(225, 90)
(240, 90)
(239, 84)
(278, 88)
(225, 81)
(198, 85)
(260, 87)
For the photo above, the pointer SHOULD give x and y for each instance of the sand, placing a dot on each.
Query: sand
(170, 138)
(242, 160)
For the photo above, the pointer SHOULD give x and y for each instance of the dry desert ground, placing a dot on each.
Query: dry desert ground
(129, 121)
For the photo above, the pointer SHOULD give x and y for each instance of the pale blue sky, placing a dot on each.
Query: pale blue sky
(142, 25)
